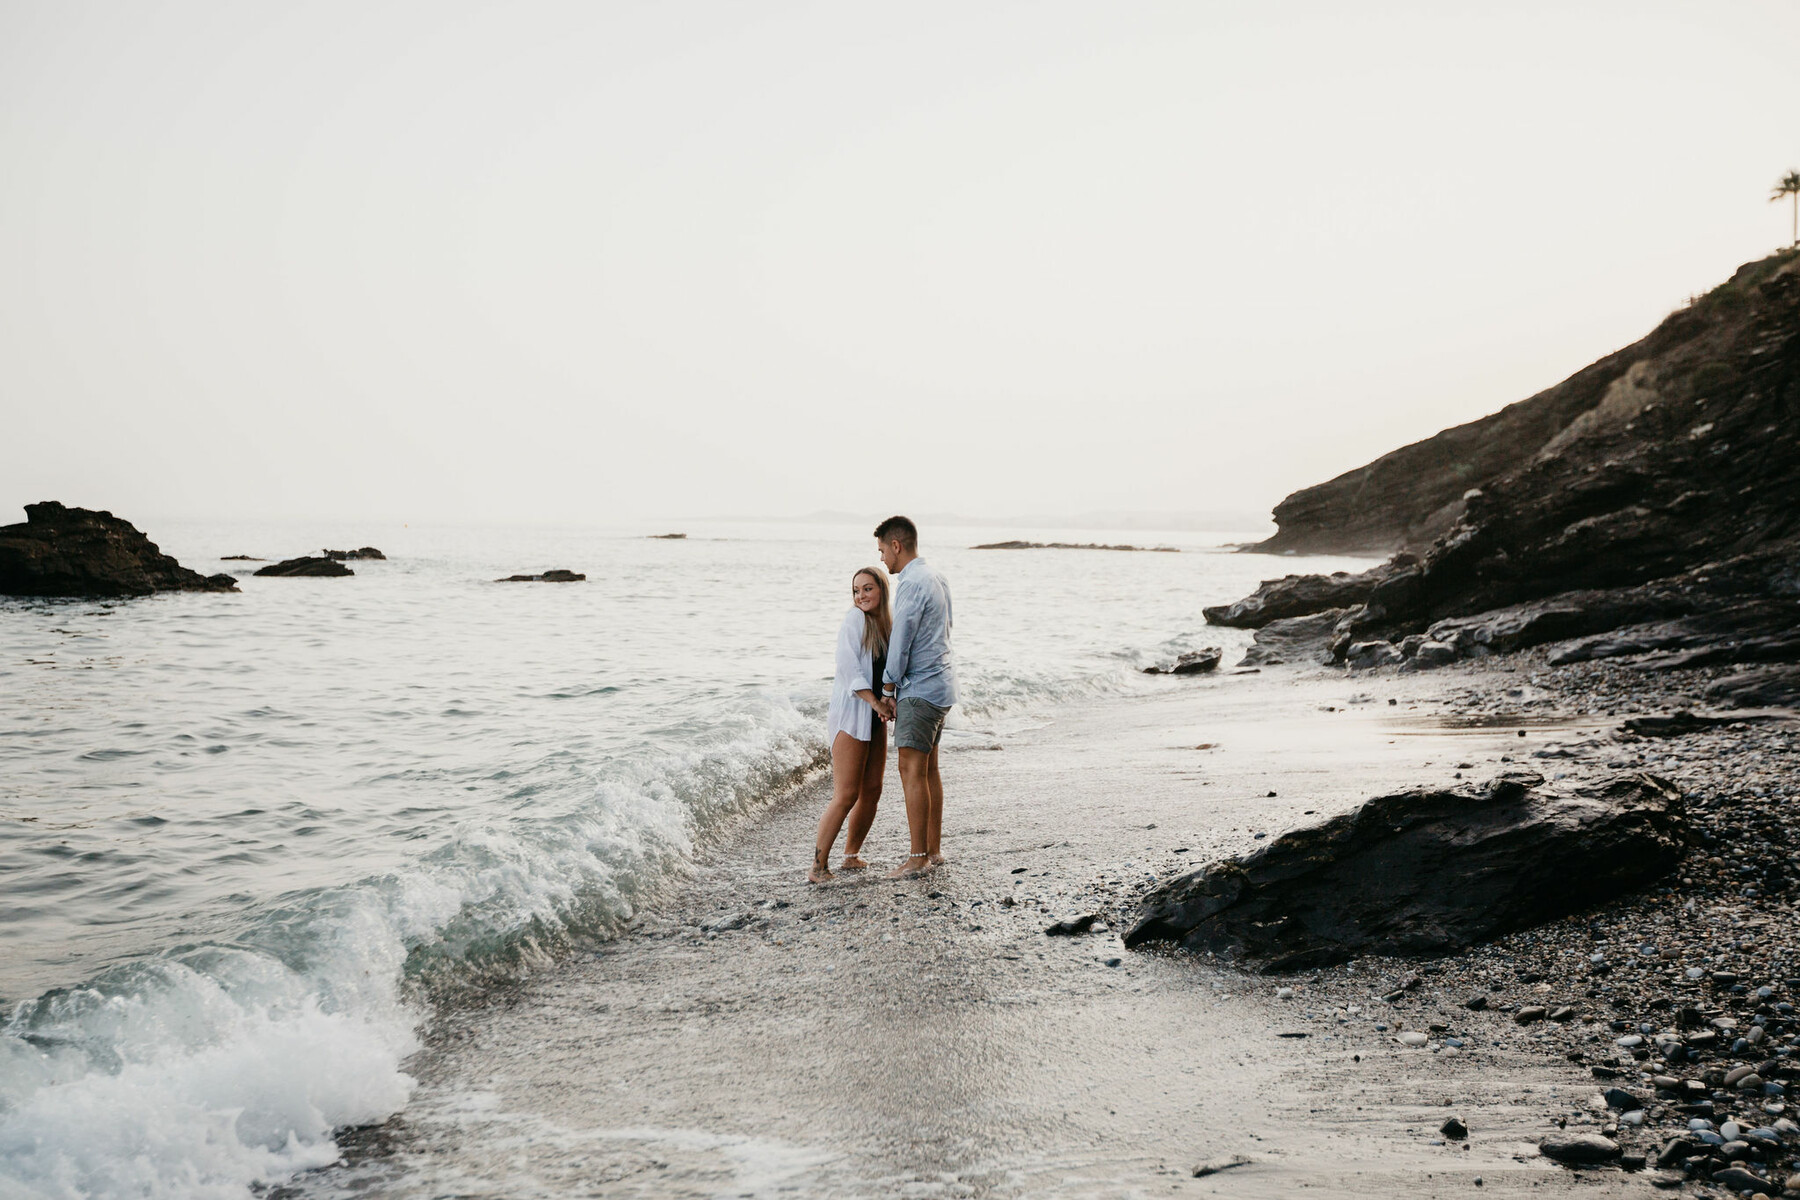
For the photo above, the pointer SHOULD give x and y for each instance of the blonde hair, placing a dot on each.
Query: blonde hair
(878, 624)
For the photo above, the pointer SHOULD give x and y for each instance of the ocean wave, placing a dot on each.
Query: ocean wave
(205, 1070)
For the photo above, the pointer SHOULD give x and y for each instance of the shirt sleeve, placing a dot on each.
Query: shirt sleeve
(906, 616)
(852, 665)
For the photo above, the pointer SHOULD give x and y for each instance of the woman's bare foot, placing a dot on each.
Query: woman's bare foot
(821, 870)
(853, 862)
(911, 867)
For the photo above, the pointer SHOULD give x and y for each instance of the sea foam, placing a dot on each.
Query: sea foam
(207, 1070)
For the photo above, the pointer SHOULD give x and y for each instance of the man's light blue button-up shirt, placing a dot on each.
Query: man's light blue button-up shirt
(918, 658)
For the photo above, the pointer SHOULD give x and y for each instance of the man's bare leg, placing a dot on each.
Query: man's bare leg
(863, 815)
(934, 820)
(913, 782)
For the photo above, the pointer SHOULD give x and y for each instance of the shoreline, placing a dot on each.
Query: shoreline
(757, 1036)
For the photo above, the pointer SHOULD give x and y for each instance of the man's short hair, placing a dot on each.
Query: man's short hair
(900, 528)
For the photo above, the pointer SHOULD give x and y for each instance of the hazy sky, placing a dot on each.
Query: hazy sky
(607, 261)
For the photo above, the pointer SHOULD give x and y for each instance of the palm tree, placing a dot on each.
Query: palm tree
(1789, 186)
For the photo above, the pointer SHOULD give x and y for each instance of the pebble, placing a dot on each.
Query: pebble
(1579, 1148)
(1411, 1037)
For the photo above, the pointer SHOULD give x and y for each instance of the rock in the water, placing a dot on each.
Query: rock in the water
(1194, 662)
(557, 576)
(61, 551)
(312, 566)
(363, 552)
(1579, 1148)
(1424, 872)
(241, 558)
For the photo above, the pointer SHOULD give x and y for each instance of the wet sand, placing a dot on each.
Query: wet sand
(761, 1037)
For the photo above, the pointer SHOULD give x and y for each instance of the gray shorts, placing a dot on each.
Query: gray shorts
(919, 724)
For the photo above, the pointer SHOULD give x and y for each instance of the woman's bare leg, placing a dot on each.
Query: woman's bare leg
(847, 755)
(863, 815)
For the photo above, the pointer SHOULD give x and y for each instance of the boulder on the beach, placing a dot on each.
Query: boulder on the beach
(361, 552)
(1579, 1148)
(1295, 640)
(62, 551)
(313, 566)
(1194, 662)
(1364, 656)
(1424, 872)
(556, 576)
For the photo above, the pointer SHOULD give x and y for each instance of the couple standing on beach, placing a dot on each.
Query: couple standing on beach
(892, 666)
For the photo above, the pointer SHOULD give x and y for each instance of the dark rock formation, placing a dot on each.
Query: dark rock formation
(363, 552)
(1662, 521)
(307, 567)
(1302, 595)
(1295, 639)
(241, 558)
(1071, 546)
(1765, 687)
(668, 537)
(1413, 495)
(1579, 1149)
(557, 576)
(61, 551)
(1194, 662)
(1423, 872)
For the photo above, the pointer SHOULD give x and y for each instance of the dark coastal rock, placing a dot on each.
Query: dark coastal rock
(314, 566)
(1679, 724)
(1703, 357)
(1194, 662)
(1363, 656)
(1579, 1149)
(1295, 639)
(1764, 687)
(241, 558)
(1423, 872)
(1073, 926)
(557, 576)
(668, 537)
(1661, 506)
(363, 552)
(1304, 595)
(62, 551)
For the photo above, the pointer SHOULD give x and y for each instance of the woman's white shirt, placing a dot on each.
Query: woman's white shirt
(850, 712)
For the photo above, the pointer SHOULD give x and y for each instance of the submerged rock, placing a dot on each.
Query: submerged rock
(62, 551)
(1195, 662)
(1424, 872)
(307, 567)
(363, 552)
(556, 576)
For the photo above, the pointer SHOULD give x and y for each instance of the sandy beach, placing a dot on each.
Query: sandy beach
(754, 1036)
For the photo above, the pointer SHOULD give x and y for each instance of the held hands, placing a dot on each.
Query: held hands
(885, 708)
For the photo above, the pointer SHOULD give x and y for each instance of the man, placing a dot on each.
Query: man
(918, 687)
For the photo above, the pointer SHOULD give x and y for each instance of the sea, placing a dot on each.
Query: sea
(253, 844)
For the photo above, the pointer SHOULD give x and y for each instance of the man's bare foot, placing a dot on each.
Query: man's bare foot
(853, 862)
(936, 860)
(821, 869)
(911, 867)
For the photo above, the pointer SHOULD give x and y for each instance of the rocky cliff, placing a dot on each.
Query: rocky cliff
(1409, 497)
(61, 551)
(1665, 514)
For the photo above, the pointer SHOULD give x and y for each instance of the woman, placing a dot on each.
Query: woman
(858, 738)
